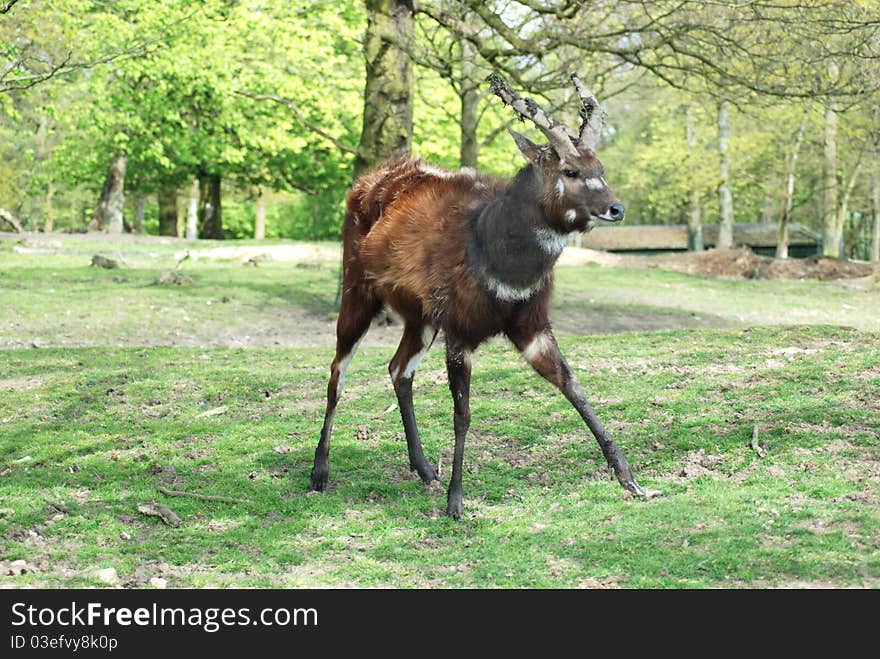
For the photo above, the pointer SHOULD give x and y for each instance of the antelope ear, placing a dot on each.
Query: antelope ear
(529, 149)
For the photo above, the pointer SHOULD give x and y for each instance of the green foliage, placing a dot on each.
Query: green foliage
(161, 81)
(175, 111)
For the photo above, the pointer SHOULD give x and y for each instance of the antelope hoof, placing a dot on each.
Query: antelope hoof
(319, 478)
(626, 479)
(636, 489)
(426, 472)
(453, 505)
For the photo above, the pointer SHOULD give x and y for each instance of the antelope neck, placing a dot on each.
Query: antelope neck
(512, 248)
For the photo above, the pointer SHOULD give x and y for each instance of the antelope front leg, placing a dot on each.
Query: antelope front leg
(542, 352)
(458, 366)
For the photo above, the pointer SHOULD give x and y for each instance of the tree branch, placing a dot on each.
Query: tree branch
(342, 146)
(6, 6)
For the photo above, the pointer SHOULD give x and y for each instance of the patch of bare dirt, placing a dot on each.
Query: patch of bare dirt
(740, 263)
(20, 384)
(254, 254)
(699, 463)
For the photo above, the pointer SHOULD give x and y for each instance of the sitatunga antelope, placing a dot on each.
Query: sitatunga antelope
(472, 256)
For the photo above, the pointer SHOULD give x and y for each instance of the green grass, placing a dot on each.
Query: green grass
(97, 428)
(59, 300)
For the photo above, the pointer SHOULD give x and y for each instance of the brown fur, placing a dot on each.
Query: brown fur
(405, 239)
(472, 256)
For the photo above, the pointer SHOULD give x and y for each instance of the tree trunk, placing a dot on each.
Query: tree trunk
(694, 217)
(192, 211)
(875, 203)
(108, 212)
(210, 211)
(100, 211)
(140, 210)
(388, 94)
(8, 218)
(260, 214)
(48, 210)
(725, 196)
(785, 219)
(167, 212)
(767, 208)
(116, 200)
(470, 97)
(831, 244)
(844, 202)
(41, 156)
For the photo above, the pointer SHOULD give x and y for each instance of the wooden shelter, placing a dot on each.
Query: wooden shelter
(760, 237)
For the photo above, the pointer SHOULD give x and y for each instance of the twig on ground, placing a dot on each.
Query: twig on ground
(756, 447)
(214, 412)
(160, 510)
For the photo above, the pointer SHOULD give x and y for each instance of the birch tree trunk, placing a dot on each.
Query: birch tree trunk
(388, 93)
(830, 239)
(694, 217)
(260, 214)
(192, 211)
(167, 212)
(784, 221)
(725, 196)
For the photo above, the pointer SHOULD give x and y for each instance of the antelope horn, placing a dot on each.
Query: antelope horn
(591, 115)
(561, 138)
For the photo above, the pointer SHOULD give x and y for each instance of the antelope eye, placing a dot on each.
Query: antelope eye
(570, 173)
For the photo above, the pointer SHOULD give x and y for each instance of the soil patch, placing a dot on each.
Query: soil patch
(739, 263)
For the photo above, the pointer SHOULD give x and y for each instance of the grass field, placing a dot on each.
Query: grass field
(111, 386)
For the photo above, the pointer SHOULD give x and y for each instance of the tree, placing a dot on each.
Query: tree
(782, 238)
(875, 207)
(694, 216)
(167, 201)
(108, 212)
(260, 214)
(388, 93)
(210, 206)
(725, 195)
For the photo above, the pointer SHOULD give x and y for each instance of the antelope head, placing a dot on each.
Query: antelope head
(576, 196)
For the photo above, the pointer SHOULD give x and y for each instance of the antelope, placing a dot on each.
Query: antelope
(473, 256)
